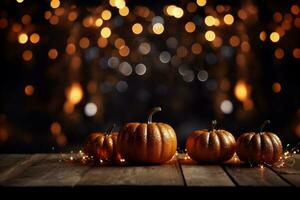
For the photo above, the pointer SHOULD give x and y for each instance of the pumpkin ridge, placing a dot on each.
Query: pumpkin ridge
(162, 141)
(272, 145)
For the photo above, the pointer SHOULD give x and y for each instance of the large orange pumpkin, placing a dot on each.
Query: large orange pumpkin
(150, 142)
(259, 148)
(103, 146)
(211, 146)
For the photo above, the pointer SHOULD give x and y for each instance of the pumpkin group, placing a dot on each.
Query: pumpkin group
(151, 142)
(259, 148)
(102, 146)
(211, 146)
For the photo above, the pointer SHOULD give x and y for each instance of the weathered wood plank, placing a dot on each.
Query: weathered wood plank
(204, 175)
(12, 165)
(50, 171)
(291, 173)
(167, 174)
(9, 160)
(254, 176)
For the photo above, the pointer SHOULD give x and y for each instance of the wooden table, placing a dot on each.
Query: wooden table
(48, 170)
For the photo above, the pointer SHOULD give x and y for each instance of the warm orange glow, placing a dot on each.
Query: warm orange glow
(84, 42)
(245, 46)
(137, 28)
(119, 42)
(295, 9)
(106, 32)
(102, 42)
(191, 7)
(61, 140)
(210, 36)
(3, 23)
(276, 87)
(124, 51)
(59, 11)
(181, 52)
(74, 93)
(124, 11)
(27, 55)
(190, 27)
(297, 22)
(274, 37)
(72, 16)
(106, 15)
(3, 134)
(228, 19)
(55, 128)
(241, 91)
(217, 42)
(26, 19)
(296, 52)
(248, 104)
(75, 62)
(54, 20)
(201, 2)
(23, 38)
(242, 14)
(16, 28)
(209, 20)
(158, 28)
(29, 90)
(71, 49)
(55, 3)
(88, 21)
(196, 48)
(277, 17)
(234, 41)
(263, 36)
(52, 53)
(47, 15)
(279, 53)
(98, 22)
(35, 38)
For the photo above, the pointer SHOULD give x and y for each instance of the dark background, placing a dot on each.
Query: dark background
(187, 103)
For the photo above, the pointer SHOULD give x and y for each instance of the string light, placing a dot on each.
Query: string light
(106, 15)
(23, 38)
(210, 36)
(158, 28)
(106, 32)
(201, 2)
(274, 37)
(29, 90)
(228, 19)
(54, 4)
(52, 53)
(34, 38)
(137, 28)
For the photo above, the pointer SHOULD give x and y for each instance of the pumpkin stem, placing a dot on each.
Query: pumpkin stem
(213, 124)
(151, 113)
(111, 128)
(263, 125)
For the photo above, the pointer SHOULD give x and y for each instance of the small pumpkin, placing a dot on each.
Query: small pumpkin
(103, 145)
(211, 146)
(259, 147)
(151, 142)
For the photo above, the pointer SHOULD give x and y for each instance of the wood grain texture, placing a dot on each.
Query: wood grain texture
(14, 164)
(254, 176)
(290, 173)
(49, 171)
(167, 174)
(204, 175)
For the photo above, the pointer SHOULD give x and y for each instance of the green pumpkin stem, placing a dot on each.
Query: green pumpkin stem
(263, 125)
(152, 112)
(213, 125)
(111, 128)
